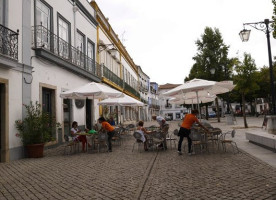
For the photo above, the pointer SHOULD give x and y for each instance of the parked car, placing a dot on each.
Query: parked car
(212, 114)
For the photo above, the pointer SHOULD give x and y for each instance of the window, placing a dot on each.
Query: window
(63, 33)
(2, 12)
(80, 42)
(43, 14)
(43, 23)
(79, 55)
(91, 56)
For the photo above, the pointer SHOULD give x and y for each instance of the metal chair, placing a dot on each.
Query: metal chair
(199, 138)
(158, 139)
(172, 137)
(101, 141)
(225, 141)
(71, 144)
(117, 136)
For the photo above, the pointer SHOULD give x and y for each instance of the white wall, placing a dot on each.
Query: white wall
(15, 102)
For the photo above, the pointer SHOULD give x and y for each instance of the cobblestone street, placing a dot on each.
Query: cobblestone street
(124, 174)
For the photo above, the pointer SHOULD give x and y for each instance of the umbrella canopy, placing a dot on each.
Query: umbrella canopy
(91, 91)
(122, 101)
(200, 87)
(192, 100)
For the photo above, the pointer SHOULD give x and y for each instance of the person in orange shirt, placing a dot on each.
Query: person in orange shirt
(110, 131)
(185, 130)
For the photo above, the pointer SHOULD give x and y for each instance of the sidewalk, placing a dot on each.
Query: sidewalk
(254, 124)
(145, 175)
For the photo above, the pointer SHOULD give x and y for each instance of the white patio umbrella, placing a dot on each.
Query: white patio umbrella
(122, 101)
(192, 100)
(200, 88)
(91, 91)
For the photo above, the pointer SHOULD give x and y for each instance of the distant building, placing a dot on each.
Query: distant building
(167, 110)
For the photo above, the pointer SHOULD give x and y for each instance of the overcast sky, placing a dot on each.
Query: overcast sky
(160, 35)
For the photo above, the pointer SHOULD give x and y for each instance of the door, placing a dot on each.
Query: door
(67, 116)
(88, 105)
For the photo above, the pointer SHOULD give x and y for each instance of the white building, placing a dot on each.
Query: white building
(55, 52)
(167, 110)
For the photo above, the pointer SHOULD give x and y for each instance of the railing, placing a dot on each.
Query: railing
(112, 76)
(8, 42)
(44, 38)
(132, 90)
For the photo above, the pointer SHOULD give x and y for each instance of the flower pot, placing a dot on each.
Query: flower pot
(35, 150)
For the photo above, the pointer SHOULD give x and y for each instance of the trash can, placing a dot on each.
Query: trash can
(229, 120)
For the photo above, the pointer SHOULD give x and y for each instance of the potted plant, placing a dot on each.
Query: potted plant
(35, 129)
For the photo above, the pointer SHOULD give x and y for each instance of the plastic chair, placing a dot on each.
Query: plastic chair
(225, 141)
(138, 140)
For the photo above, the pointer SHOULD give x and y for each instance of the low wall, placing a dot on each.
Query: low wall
(262, 139)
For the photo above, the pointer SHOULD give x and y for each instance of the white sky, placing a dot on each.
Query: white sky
(160, 35)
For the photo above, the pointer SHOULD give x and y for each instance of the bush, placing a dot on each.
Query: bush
(37, 127)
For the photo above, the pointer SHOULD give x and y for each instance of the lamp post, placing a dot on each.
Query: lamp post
(266, 28)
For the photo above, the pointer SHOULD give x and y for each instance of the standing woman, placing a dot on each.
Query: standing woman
(185, 130)
(110, 131)
(82, 138)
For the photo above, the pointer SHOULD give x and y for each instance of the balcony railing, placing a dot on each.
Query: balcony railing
(132, 90)
(8, 42)
(45, 39)
(107, 73)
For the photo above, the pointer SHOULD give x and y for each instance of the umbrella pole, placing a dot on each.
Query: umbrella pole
(198, 104)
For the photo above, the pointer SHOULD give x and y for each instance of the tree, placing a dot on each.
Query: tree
(212, 54)
(245, 80)
(274, 19)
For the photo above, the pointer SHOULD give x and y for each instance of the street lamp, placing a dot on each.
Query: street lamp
(266, 28)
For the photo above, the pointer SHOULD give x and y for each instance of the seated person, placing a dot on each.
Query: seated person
(140, 129)
(111, 121)
(82, 138)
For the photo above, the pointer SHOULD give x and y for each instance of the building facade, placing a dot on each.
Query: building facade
(118, 68)
(167, 110)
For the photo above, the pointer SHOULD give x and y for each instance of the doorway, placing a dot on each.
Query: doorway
(88, 108)
(67, 116)
(3, 125)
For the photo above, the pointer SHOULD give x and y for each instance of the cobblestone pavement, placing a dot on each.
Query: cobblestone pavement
(124, 174)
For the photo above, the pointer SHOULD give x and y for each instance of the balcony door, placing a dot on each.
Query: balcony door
(2, 12)
(64, 37)
(42, 22)
(91, 57)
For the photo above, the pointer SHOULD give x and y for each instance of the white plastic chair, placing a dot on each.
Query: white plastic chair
(225, 141)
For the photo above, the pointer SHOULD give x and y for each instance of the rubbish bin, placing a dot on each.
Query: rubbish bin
(229, 120)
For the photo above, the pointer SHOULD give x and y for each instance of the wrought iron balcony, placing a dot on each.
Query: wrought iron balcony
(44, 39)
(132, 90)
(8, 42)
(112, 76)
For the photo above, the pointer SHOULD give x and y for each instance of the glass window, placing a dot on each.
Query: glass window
(42, 14)
(1, 11)
(63, 30)
(63, 33)
(80, 42)
(90, 50)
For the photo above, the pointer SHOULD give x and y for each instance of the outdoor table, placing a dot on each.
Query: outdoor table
(92, 137)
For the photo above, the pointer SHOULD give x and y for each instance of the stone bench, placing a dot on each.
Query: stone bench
(262, 139)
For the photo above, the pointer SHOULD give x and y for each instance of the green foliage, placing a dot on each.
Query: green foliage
(246, 78)
(212, 53)
(37, 127)
(274, 19)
